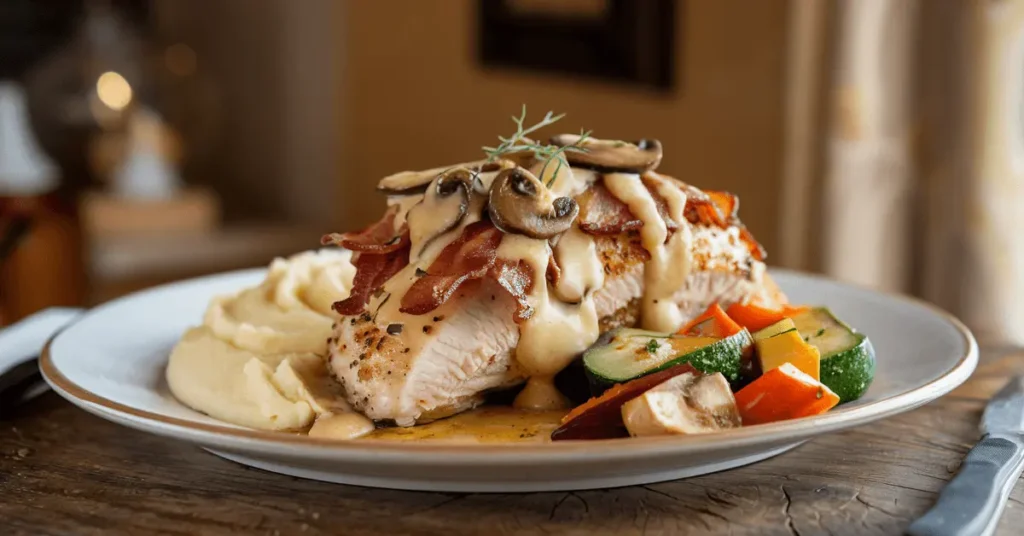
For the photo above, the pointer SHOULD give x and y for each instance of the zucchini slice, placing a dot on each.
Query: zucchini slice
(847, 357)
(625, 354)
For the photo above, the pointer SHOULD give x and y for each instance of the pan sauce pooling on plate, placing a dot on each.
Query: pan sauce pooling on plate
(500, 274)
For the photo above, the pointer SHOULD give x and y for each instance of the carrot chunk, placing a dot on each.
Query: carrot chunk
(783, 393)
(755, 318)
(712, 323)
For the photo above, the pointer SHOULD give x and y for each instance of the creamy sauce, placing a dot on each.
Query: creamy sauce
(433, 216)
(669, 265)
(341, 426)
(405, 203)
(555, 334)
(582, 270)
(489, 424)
(568, 182)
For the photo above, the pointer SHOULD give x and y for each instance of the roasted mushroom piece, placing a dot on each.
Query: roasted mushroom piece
(444, 205)
(611, 156)
(519, 203)
(416, 182)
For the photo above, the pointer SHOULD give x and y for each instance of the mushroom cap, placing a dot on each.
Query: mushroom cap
(444, 205)
(416, 182)
(520, 203)
(611, 156)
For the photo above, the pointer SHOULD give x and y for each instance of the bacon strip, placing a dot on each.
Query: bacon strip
(472, 256)
(372, 271)
(378, 238)
(602, 214)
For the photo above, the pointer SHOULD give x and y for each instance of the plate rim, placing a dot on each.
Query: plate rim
(249, 439)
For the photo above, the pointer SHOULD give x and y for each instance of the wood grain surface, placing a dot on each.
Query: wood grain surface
(63, 471)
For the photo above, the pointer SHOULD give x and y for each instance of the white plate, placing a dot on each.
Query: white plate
(111, 363)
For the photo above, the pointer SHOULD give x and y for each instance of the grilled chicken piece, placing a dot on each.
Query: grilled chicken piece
(489, 262)
(466, 347)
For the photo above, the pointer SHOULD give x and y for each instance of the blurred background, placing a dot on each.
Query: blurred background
(143, 141)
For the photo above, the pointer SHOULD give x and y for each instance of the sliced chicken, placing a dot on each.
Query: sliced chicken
(468, 347)
(514, 281)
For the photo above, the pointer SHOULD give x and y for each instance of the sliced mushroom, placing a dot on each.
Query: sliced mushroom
(415, 182)
(486, 173)
(444, 205)
(519, 203)
(611, 156)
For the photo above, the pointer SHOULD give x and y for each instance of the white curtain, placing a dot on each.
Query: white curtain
(921, 182)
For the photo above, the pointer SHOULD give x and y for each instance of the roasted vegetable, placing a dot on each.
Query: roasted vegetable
(783, 393)
(789, 347)
(686, 404)
(601, 417)
(847, 357)
(755, 318)
(624, 354)
(782, 326)
(712, 323)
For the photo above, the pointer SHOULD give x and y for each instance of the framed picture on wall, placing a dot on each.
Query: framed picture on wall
(625, 41)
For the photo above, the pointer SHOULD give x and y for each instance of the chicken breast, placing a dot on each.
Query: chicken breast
(483, 276)
(466, 347)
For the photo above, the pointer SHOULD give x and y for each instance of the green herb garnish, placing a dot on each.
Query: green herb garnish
(652, 346)
(545, 152)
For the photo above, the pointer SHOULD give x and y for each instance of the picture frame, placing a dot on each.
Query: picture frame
(622, 41)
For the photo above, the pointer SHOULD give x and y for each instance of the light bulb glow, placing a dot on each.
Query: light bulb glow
(113, 90)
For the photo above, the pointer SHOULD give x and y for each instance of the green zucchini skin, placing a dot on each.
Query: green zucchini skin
(725, 356)
(850, 373)
(847, 357)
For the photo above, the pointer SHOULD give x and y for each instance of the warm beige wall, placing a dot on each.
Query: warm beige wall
(413, 96)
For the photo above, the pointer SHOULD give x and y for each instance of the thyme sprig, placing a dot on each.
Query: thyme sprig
(519, 141)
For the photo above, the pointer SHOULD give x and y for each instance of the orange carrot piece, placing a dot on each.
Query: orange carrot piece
(755, 318)
(722, 325)
(783, 393)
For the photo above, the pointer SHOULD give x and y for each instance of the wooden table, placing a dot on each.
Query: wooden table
(63, 471)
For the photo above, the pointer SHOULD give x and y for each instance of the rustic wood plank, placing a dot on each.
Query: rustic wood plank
(64, 471)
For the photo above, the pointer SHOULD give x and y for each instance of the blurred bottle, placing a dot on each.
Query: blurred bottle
(41, 254)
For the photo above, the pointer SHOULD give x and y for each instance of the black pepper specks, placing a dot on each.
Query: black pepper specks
(427, 329)
(407, 350)
(395, 329)
(438, 318)
(362, 355)
(353, 364)
(420, 272)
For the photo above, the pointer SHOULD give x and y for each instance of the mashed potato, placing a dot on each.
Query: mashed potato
(258, 358)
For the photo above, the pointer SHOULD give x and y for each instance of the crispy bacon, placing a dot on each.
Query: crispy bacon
(601, 213)
(471, 257)
(380, 237)
(372, 271)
